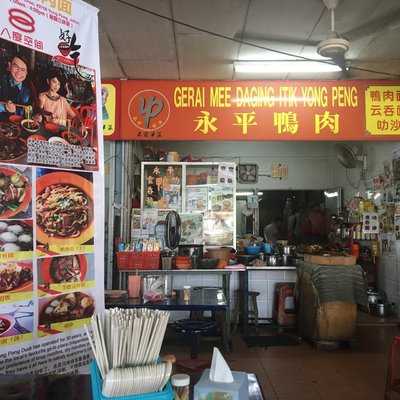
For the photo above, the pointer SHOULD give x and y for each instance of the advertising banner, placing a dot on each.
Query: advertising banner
(51, 183)
(259, 110)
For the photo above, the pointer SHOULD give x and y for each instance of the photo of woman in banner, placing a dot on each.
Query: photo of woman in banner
(52, 105)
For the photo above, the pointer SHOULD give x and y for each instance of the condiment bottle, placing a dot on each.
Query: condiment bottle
(180, 384)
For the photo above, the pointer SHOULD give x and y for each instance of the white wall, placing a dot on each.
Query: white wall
(377, 153)
(262, 281)
(309, 165)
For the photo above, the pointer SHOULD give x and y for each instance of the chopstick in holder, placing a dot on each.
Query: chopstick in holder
(161, 334)
(149, 349)
(99, 351)
(96, 355)
(127, 338)
(103, 344)
(143, 339)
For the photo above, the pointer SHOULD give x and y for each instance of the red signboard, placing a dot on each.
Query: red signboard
(259, 110)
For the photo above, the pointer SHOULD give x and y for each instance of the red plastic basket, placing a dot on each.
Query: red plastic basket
(123, 259)
(143, 260)
(151, 260)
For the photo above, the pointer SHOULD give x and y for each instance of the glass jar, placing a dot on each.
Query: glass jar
(180, 384)
(186, 293)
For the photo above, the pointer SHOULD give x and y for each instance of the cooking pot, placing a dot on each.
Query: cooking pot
(376, 296)
(286, 259)
(288, 250)
(382, 309)
(253, 250)
(274, 260)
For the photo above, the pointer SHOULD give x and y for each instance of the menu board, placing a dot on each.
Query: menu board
(163, 187)
(51, 184)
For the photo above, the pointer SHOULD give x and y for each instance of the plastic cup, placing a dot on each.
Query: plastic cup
(134, 286)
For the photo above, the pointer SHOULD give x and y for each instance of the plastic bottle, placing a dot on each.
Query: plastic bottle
(181, 384)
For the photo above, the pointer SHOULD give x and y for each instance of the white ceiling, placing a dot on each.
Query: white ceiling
(136, 45)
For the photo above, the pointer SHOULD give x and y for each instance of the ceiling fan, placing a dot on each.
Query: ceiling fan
(335, 45)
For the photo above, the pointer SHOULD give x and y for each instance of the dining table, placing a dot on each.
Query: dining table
(201, 299)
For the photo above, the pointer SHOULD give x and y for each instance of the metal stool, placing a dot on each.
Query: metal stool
(393, 371)
(253, 309)
(194, 329)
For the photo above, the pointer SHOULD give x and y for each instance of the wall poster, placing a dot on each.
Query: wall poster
(51, 183)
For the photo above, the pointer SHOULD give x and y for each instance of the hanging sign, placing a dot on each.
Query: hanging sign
(259, 110)
(110, 92)
(51, 184)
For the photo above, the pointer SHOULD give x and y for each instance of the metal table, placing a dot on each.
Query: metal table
(202, 299)
(74, 387)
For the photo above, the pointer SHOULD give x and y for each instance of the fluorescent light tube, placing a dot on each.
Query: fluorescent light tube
(277, 66)
(331, 194)
(244, 194)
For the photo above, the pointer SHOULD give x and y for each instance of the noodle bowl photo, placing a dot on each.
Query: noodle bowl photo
(64, 208)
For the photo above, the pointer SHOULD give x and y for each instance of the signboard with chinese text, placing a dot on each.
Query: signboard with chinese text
(259, 110)
(51, 184)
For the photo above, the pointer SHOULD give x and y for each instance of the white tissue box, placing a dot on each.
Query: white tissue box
(205, 389)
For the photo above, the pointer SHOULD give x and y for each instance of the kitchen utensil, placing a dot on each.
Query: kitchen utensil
(268, 248)
(190, 250)
(274, 260)
(166, 262)
(376, 296)
(182, 262)
(195, 259)
(253, 250)
(286, 259)
(382, 309)
(30, 125)
(221, 253)
(208, 263)
(288, 250)
(115, 295)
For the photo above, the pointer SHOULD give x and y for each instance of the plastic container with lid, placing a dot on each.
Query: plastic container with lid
(180, 385)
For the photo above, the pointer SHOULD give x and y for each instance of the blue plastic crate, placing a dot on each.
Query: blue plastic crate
(97, 386)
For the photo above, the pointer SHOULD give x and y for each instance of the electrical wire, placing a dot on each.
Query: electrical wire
(244, 42)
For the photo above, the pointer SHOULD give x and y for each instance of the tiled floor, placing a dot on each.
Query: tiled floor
(304, 373)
